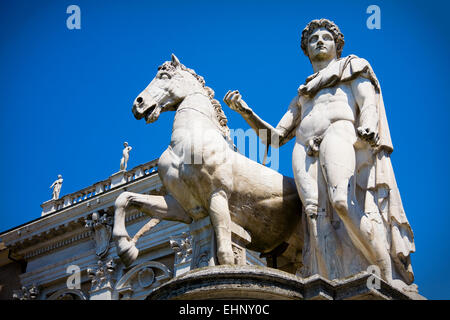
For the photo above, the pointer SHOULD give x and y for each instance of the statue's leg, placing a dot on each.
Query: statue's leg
(221, 221)
(306, 178)
(378, 240)
(366, 230)
(160, 207)
(305, 175)
(337, 158)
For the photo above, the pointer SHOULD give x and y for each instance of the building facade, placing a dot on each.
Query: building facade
(69, 253)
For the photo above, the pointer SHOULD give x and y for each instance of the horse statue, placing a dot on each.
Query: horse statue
(205, 175)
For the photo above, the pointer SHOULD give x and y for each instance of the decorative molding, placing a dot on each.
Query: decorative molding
(202, 260)
(182, 245)
(101, 275)
(68, 294)
(101, 227)
(57, 244)
(141, 280)
(25, 293)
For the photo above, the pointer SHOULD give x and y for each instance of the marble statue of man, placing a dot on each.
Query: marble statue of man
(125, 156)
(57, 187)
(341, 163)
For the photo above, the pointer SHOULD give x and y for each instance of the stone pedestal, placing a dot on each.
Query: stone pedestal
(118, 179)
(253, 282)
(48, 207)
(204, 244)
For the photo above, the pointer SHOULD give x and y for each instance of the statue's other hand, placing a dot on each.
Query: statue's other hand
(234, 100)
(368, 134)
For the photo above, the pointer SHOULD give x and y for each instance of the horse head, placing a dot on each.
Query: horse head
(172, 83)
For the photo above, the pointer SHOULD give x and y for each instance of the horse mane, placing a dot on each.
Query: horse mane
(220, 115)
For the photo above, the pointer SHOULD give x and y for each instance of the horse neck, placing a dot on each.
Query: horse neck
(195, 107)
(197, 101)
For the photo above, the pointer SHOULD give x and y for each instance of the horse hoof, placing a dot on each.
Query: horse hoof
(127, 251)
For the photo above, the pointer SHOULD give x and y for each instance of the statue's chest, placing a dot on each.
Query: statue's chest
(327, 99)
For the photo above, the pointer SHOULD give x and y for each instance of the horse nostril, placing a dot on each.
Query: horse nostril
(139, 100)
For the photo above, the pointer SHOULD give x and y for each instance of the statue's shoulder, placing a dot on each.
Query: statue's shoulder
(355, 63)
(354, 67)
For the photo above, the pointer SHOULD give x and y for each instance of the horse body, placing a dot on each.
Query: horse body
(204, 175)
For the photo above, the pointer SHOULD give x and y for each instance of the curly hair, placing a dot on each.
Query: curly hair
(330, 26)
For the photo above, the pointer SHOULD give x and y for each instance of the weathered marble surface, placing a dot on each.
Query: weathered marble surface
(262, 283)
(206, 177)
(354, 216)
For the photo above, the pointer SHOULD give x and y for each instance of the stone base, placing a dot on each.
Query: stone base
(253, 282)
(118, 178)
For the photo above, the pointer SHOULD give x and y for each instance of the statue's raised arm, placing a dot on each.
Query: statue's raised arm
(278, 136)
(341, 164)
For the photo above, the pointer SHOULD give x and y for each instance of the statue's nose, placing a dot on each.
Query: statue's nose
(139, 100)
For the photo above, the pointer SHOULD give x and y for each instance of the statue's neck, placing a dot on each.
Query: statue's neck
(319, 65)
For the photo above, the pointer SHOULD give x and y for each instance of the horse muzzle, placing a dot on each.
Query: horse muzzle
(142, 110)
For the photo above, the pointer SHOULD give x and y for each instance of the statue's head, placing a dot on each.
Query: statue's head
(322, 39)
(125, 144)
(59, 176)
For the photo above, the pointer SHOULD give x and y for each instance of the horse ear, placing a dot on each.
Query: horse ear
(175, 60)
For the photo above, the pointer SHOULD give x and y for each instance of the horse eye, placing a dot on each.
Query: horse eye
(164, 76)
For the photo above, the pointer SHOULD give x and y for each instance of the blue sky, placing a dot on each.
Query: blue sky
(66, 95)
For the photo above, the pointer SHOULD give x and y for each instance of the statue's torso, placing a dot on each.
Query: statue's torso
(328, 106)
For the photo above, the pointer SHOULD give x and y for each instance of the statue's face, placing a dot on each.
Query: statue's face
(321, 45)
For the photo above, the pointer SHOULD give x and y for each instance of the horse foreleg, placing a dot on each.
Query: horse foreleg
(159, 207)
(221, 221)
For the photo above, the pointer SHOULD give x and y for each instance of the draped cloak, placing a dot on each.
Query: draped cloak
(376, 177)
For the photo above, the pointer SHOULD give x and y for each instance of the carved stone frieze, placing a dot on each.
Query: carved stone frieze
(102, 275)
(30, 293)
(182, 245)
(101, 225)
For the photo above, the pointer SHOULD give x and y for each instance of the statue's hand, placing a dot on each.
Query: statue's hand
(368, 134)
(234, 100)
